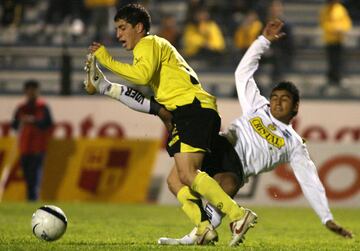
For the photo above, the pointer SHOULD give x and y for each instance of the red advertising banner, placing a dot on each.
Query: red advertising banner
(331, 128)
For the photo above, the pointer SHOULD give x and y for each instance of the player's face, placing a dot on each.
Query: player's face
(127, 34)
(282, 106)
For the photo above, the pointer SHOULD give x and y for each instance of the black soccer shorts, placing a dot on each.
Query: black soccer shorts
(223, 158)
(195, 129)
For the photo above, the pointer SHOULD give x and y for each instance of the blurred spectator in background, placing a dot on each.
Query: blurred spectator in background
(11, 17)
(249, 29)
(282, 51)
(33, 121)
(169, 30)
(101, 15)
(62, 19)
(203, 37)
(192, 7)
(335, 22)
(11, 12)
(246, 33)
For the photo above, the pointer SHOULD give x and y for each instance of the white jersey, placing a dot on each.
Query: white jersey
(263, 142)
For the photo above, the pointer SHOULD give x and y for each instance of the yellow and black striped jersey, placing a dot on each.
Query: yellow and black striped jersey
(158, 64)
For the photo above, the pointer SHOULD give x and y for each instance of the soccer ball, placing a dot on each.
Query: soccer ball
(48, 223)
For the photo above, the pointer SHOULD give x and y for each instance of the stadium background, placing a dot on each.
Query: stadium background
(90, 131)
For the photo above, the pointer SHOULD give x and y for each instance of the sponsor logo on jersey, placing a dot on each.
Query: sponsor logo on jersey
(272, 127)
(266, 133)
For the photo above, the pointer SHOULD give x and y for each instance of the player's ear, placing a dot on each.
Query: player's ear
(139, 27)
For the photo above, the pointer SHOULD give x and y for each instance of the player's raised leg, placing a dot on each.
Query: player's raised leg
(96, 82)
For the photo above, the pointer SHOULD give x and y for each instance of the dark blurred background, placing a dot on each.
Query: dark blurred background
(48, 40)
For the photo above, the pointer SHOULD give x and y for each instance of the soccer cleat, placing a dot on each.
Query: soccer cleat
(189, 239)
(240, 227)
(93, 75)
(208, 237)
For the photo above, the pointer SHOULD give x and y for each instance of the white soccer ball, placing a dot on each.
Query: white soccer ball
(48, 223)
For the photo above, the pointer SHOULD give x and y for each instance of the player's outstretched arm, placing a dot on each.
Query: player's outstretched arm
(246, 87)
(139, 73)
(96, 82)
(337, 229)
(314, 191)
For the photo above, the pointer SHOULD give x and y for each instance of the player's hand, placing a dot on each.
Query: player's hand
(94, 46)
(334, 227)
(272, 30)
(166, 118)
(89, 60)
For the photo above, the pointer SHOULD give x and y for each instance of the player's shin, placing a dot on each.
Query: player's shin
(208, 188)
(192, 206)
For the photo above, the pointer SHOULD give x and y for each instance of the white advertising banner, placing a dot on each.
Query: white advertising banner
(331, 128)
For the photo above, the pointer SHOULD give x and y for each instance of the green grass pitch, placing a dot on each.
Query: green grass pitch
(99, 226)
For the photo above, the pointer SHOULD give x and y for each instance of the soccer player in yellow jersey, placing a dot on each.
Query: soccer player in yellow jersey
(196, 122)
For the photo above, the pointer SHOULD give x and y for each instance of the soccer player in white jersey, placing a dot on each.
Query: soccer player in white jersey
(262, 137)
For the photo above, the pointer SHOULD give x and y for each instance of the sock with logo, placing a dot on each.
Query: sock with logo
(215, 215)
(210, 190)
(126, 95)
(192, 206)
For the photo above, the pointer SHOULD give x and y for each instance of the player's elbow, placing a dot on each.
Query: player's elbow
(239, 76)
(239, 70)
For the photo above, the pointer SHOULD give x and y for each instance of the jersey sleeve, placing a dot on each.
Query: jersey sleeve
(248, 93)
(146, 61)
(307, 176)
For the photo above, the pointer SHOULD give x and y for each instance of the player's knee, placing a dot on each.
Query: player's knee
(186, 177)
(171, 185)
(173, 181)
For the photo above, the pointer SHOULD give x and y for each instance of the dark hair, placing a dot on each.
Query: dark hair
(31, 84)
(134, 14)
(291, 88)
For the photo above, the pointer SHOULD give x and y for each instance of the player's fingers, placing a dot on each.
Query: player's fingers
(96, 45)
(346, 233)
(341, 231)
(87, 66)
(280, 35)
(92, 49)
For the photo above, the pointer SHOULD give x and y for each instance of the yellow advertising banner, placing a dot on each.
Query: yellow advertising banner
(109, 170)
(12, 186)
(88, 169)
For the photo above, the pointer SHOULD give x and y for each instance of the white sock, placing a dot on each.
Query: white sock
(214, 214)
(104, 86)
(126, 95)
